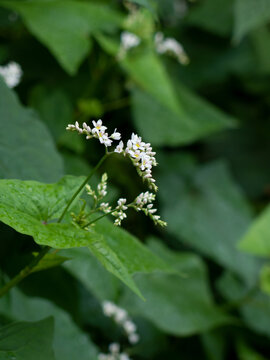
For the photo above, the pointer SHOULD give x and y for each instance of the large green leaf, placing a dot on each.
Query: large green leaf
(162, 126)
(245, 352)
(54, 108)
(173, 303)
(68, 340)
(257, 238)
(253, 305)
(205, 209)
(64, 26)
(133, 254)
(250, 14)
(26, 147)
(207, 15)
(147, 71)
(27, 340)
(29, 206)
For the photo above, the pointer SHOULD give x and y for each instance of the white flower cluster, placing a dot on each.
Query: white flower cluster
(98, 132)
(170, 46)
(144, 202)
(120, 316)
(141, 153)
(119, 212)
(11, 73)
(142, 156)
(114, 353)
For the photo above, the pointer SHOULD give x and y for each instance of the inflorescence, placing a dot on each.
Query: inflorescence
(143, 158)
(120, 316)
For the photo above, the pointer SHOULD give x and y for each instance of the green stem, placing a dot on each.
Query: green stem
(28, 269)
(82, 186)
(25, 272)
(98, 218)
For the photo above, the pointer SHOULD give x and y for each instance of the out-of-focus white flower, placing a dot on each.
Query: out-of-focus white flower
(121, 317)
(114, 348)
(11, 73)
(129, 40)
(109, 308)
(170, 46)
(133, 338)
(114, 353)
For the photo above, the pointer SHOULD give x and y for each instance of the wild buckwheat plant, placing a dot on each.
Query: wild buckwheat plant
(142, 157)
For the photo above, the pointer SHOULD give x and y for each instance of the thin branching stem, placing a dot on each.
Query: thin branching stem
(28, 269)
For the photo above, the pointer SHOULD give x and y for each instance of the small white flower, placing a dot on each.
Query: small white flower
(102, 357)
(124, 356)
(87, 128)
(98, 127)
(119, 147)
(120, 315)
(116, 135)
(129, 326)
(12, 74)
(170, 46)
(109, 308)
(129, 40)
(133, 338)
(114, 348)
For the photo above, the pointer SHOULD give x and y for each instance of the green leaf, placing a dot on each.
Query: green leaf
(162, 126)
(89, 271)
(149, 4)
(214, 343)
(245, 352)
(49, 261)
(68, 340)
(205, 209)
(54, 108)
(147, 71)
(172, 301)
(265, 279)
(64, 26)
(250, 14)
(253, 305)
(38, 158)
(29, 206)
(134, 255)
(27, 340)
(257, 238)
(207, 15)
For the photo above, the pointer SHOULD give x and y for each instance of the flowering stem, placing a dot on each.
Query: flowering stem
(98, 218)
(28, 269)
(82, 186)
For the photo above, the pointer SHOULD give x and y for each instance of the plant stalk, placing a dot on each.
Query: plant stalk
(28, 269)
(82, 186)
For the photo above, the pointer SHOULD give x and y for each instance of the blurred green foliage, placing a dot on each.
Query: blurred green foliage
(206, 278)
